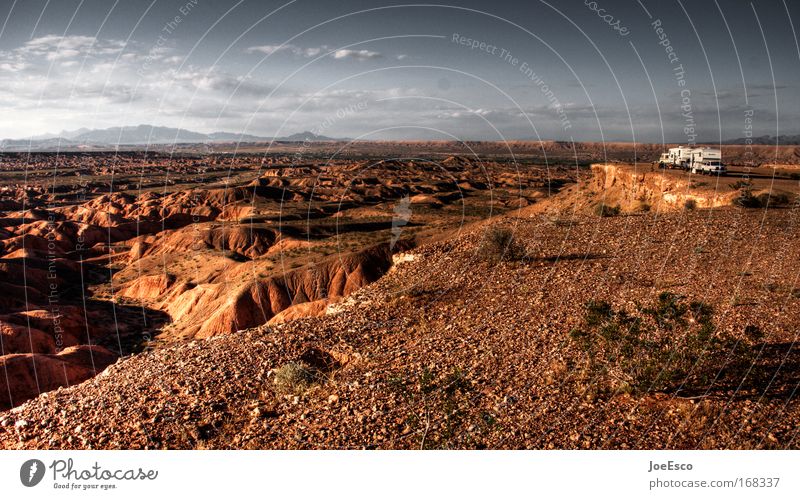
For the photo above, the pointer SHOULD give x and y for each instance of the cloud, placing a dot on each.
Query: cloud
(287, 47)
(218, 81)
(766, 86)
(361, 55)
(55, 47)
(53, 82)
(308, 52)
(13, 66)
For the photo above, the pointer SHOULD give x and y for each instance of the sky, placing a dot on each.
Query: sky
(623, 70)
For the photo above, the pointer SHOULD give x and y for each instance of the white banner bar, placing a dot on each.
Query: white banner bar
(371, 474)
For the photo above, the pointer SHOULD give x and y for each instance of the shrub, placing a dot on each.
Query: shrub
(605, 210)
(500, 244)
(440, 400)
(662, 348)
(746, 200)
(690, 204)
(294, 378)
(773, 199)
(644, 207)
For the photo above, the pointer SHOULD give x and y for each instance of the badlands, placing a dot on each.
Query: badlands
(399, 295)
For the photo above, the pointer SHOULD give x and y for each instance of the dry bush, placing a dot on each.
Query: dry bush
(294, 378)
(604, 210)
(746, 199)
(690, 204)
(500, 244)
(773, 199)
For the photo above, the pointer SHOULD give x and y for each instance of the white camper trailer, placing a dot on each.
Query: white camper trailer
(679, 157)
(706, 160)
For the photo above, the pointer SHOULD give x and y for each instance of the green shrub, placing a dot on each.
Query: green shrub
(690, 204)
(666, 347)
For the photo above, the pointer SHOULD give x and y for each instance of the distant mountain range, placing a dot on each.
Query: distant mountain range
(85, 138)
(143, 135)
(768, 140)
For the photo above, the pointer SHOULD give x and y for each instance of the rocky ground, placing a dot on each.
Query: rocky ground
(105, 254)
(451, 349)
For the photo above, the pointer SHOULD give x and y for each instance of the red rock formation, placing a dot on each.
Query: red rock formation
(25, 376)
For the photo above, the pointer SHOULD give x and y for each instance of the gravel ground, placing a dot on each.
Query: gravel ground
(449, 351)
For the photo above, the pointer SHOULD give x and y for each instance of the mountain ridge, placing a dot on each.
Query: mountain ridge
(142, 135)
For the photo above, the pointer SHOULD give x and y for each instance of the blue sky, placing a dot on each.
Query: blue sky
(390, 70)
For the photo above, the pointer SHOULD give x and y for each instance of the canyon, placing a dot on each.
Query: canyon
(180, 287)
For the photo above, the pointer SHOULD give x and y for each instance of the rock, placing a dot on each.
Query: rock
(28, 374)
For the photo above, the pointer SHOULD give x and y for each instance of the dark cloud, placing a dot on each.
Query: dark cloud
(241, 65)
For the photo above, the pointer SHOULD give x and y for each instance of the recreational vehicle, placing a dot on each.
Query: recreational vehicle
(676, 157)
(706, 160)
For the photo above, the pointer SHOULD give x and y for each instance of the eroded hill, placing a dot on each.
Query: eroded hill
(111, 254)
